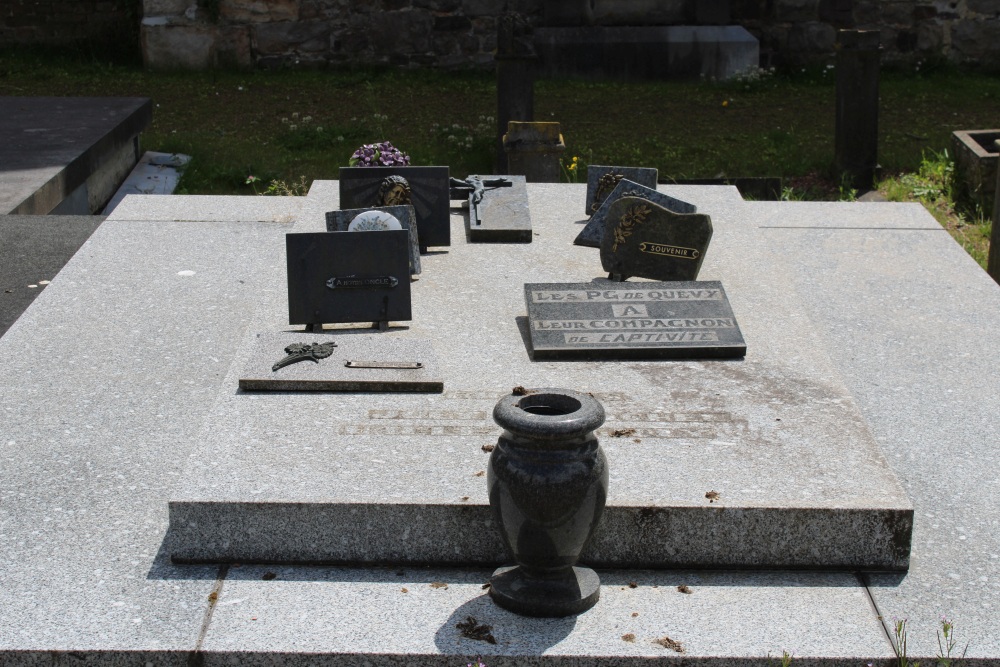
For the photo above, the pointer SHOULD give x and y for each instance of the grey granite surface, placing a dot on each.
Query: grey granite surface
(758, 432)
(100, 405)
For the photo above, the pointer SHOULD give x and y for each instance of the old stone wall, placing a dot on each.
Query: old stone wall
(793, 32)
(461, 33)
(65, 22)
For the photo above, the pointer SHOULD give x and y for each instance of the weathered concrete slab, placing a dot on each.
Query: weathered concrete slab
(909, 321)
(58, 148)
(776, 435)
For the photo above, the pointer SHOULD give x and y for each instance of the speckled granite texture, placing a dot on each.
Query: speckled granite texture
(100, 407)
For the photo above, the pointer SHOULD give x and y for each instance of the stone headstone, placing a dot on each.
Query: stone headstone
(340, 221)
(646, 240)
(424, 188)
(348, 277)
(593, 232)
(368, 363)
(503, 215)
(647, 320)
(602, 181)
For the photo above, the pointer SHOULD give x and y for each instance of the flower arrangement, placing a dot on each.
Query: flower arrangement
(379, 155)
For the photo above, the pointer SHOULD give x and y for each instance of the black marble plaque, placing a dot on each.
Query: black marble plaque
(367, 187)
(592, 234)
(602, 181)
(638, 320)
(648, 241)
(348, 277)
(503, 215)
(338, 221)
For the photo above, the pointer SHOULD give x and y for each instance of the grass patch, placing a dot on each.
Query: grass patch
(241, 124)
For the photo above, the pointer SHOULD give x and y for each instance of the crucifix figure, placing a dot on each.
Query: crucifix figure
(475, 187)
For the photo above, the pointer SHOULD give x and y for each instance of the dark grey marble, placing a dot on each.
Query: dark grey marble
(338, 221)
(333, 373)
(648, 241)
(429, 195)
(503, 214)
(348, 277)
(592, 234)
(647, 320)
(602, 181)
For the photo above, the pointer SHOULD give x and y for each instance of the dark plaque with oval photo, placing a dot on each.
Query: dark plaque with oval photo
(348, 277)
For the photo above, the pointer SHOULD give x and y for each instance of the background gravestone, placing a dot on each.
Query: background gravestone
(593, 232)
(602, 181)
(646, 240)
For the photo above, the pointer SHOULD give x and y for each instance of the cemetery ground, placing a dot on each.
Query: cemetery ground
(274, 132)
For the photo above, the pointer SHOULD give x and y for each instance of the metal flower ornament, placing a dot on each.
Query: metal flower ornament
(379, 155)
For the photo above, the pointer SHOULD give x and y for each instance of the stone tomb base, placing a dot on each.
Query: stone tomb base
(761, 462)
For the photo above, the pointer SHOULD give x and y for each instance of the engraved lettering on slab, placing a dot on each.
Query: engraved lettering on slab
(304, 352)
(351, 282)
(674, 251)
(674, 320)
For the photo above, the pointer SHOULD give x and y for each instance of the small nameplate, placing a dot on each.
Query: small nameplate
(669, 250)
(402, 365)
(353, 282)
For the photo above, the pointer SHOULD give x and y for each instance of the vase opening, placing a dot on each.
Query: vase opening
(549, 405)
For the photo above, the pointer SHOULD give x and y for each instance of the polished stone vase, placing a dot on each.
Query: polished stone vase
(548, 482)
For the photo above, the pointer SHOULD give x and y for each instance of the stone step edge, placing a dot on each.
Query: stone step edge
(714, 536)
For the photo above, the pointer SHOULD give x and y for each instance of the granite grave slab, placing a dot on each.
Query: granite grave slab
(643, 320)
(425, 188)
(340, 221)
(399, 478)
(593, 233)
(348, 277)
(602, 181)
(368, 363)
(646, 240)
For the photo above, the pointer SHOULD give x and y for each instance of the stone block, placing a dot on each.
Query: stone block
(976, 160)
(447, 23)
(258, 11)
(930, 37)
(166, 47)
(977, 41)
(282, 38)
(410, 31)
(165, 7)
(796, 10)
(482, 7)
(233, 47)
(987, 7)
(438, 5)
(811, 37)
(898, 13)
(640, 12)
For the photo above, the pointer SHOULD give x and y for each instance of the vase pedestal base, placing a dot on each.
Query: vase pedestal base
(516, 590)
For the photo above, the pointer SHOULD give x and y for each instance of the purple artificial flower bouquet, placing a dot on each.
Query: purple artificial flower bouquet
(379, 155)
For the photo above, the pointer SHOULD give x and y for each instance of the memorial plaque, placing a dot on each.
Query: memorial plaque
(641, 320)
(346, 362)
(602, 181)
(502, 216)
(339, 221)
(646, 240)
(348, 277)
(592, 234)
(425, 188)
